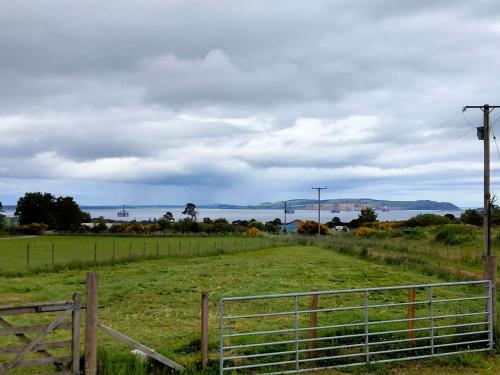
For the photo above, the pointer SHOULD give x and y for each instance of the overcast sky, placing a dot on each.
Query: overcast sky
(151, 102)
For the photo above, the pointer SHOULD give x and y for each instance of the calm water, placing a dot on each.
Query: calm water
(246, 214)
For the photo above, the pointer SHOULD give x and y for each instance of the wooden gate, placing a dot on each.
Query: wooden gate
(38, 339)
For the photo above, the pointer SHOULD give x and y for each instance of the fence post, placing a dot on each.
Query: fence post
(28, 256)
(411, 316)
(75, 339)
(52, 253)
(491, 274)
(314, 323)
(204, 330)
(91, 324)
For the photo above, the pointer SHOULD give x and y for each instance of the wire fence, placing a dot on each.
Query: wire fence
(45, 254)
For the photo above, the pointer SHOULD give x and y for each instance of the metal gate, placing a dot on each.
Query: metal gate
(301, 332)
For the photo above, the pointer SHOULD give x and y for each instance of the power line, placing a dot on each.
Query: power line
(495, 138)
(466, 120)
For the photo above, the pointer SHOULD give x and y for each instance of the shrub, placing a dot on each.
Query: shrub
(34, 228)
(311, 227)
(426, 220)
(253, 232)
(455, 234)
(365, 232)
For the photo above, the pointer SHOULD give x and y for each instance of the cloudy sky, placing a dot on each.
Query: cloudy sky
(246, 101)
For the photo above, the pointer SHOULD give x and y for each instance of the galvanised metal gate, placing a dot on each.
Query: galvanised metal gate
(301, 332)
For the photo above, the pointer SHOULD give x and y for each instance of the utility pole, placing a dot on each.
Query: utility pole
(285, 216)
(319, 188)
(490, 264)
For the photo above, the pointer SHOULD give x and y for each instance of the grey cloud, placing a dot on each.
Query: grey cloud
(107, 88)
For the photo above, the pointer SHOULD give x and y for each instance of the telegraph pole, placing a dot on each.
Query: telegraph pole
(285, 216)
(319, 188)
(490, 264)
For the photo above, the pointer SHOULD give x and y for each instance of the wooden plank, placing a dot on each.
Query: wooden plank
(44, 361)
(149, 352)
(45, 346)
(37, 340)
(92, 282)
(75, 336)
(29, 308)
(32, 329)
(23, 338)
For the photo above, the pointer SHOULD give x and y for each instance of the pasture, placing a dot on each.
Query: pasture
(156, 301)
(45, 253)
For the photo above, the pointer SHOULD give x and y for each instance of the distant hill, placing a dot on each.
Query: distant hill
(376, 203)
(300, 204)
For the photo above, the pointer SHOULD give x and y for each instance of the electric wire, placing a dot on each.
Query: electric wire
(495, 139)
(466, 119)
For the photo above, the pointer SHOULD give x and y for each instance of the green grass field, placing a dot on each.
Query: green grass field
(47, 252)
(157, 301)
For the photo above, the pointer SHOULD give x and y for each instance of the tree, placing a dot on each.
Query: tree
(367, 215)
(68, 215)
(472, 217)
(169, 216)
(62, 213)
(190, 210)
(273, 226)
(36, 208)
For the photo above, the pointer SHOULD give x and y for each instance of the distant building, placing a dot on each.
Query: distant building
(291, 227)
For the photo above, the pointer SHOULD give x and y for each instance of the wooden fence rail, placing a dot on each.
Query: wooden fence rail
(65, 363)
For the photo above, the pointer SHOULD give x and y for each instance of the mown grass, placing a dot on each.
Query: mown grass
(157, 301)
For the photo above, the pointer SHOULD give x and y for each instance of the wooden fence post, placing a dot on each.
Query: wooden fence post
(204, 330)
(313, 322)
(75, 339)
(28, 256)
(491, 274)
(91, 324)
(411, 316)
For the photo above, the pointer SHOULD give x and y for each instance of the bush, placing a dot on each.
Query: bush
(365, 232)
(455, 234)
(253, 232)
(34, 228)
(426, 220)
(311, 227)
(472, 217)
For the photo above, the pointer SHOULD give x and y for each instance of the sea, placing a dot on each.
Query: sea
(151, 213)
